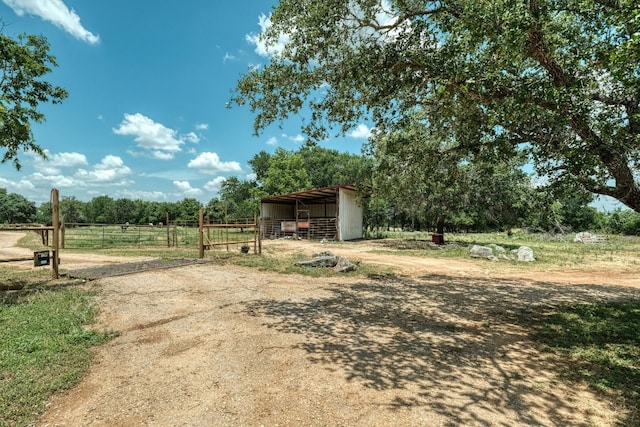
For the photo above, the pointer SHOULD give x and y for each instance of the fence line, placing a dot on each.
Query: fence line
(84, 235)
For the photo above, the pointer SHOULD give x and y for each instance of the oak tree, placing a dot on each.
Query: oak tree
(555, 80)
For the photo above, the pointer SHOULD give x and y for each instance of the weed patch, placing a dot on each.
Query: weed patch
(601, 344)
(45, 348)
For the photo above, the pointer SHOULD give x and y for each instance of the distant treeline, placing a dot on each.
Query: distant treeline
(480, 199)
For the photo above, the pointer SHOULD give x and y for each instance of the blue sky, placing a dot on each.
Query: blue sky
(148, 85)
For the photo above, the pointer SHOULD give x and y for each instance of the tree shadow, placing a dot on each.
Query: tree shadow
(458, 346)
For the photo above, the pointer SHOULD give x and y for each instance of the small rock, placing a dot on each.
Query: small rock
(583, 236)
(320, 261)
(344, 265)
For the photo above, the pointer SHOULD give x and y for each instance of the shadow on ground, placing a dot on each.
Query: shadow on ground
(459, 346)
(120, 269)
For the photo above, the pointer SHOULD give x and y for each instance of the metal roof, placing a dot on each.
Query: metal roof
(317, 195)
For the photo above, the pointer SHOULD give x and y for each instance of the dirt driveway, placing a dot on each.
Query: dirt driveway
(209, 345)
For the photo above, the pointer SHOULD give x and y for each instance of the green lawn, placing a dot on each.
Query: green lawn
(46, 346)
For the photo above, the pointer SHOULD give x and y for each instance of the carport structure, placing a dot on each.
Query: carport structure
(333, 213)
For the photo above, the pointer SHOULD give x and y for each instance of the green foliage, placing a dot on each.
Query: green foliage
(450, 191)
(327, 168)
(286, 174)
(15, 209)
(45, 349)
(239, 199)
(623, 222)
(556, 81)
(23, 61)
(71, 209)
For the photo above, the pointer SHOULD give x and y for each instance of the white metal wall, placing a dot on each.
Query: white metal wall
(350, 216)
(321, 211)
(277, 211)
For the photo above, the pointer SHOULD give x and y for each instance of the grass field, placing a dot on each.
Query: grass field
(45, 347)
(618, 253)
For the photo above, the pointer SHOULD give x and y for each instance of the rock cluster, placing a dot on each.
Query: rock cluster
(495, 252)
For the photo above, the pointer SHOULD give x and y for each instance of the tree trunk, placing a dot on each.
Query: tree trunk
(440, 224)
(440, 228)
(626, 188)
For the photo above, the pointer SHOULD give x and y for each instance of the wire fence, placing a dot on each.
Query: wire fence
(104, 236)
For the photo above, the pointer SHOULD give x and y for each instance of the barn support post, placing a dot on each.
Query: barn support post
(256, 236)
(338, 231)
(201, 233)
(55, 221)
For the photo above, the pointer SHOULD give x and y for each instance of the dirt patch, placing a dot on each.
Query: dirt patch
(439, 345)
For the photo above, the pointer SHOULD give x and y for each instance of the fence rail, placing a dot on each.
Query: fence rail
(239, 233)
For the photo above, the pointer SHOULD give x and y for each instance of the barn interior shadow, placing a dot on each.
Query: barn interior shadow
(457, 346)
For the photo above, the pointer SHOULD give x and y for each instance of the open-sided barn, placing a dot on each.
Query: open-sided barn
(321, 213)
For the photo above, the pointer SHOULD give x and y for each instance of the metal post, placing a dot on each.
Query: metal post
(168, 231)
(201, 232)
(55, 221)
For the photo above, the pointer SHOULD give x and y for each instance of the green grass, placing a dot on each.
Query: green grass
(600, 344)
(554, 252)
(45, 346)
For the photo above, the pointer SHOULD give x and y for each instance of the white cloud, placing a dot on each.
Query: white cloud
(110, 170)
(160, 141)
(228, 58)
(215, 184)
(202, 126)
(156, 196)
(361, 132)
(298, 139)
(57, 181)
(67, 160)
(272, 141)
(262, 47)
(192, 137)
(56, 12)
(186, 188)
(23, 184)
(210, 163)
(55, 162)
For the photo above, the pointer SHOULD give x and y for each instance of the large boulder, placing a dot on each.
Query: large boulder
(478, 251)
(524, 254)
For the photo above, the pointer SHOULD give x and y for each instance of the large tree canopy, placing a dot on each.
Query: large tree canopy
(557, 80)
(23, 61)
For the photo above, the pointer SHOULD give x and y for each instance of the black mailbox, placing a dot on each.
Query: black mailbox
(41, 258)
